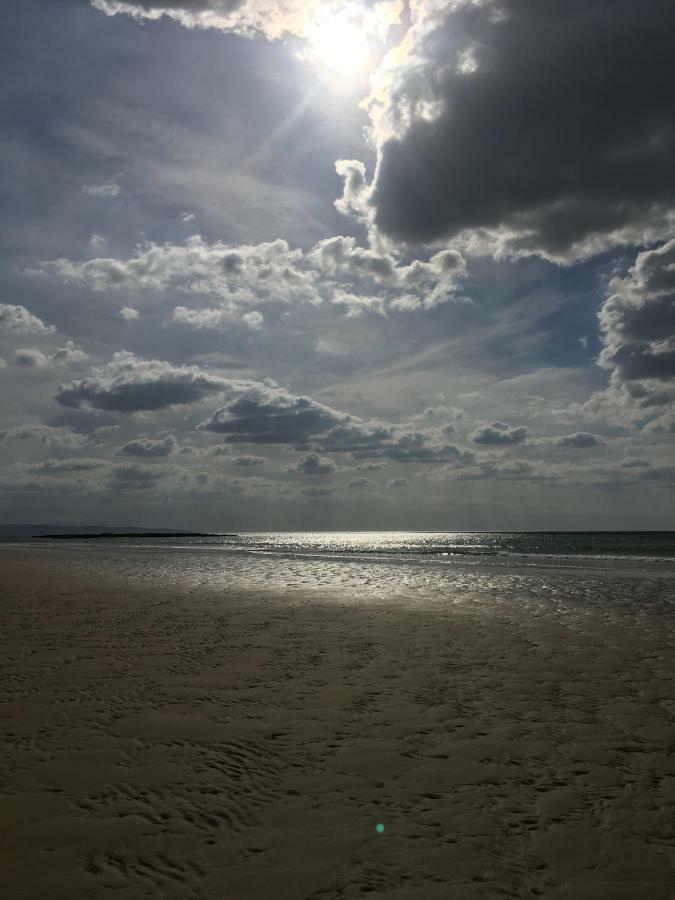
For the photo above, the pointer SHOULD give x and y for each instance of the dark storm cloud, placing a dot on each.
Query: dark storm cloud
(499, 434)
(265, 414)
(580, 440)
(552, 122)
(261, 413)
(130, 384)
(146, 447)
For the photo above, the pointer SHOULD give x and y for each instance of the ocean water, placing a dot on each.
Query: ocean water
(501, 548)
(447, 545)
(533, 572)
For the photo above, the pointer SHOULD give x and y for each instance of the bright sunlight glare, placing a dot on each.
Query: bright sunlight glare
(340, 42)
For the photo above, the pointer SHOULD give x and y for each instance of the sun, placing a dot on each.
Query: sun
(340, 42)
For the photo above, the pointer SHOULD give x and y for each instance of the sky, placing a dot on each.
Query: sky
(327, 265)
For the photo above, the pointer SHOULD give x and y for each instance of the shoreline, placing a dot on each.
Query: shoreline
(206, 741)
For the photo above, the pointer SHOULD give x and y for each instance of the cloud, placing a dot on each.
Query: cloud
(354, 188)
(18, 318)
(146, 447)
(377, 440)
(248, 460)
(101, 190)
(314, 491)
(241, 280)
(435, 280)
(398, 484)
(507, 470)
(98, 242)
(340, 255)
(135, 477)
(580, 440)
(359, 482)
(313, 464)
(30, 358)
(70, 355)
(267, 414)
(246, 17)
(205, 319)
(59, 436)
(634, 462)
(65, 466)
(356, 305)
(637, 322)
(129, 384)
(129, 314)
(664, 423)
(499, 434)
(253, 319)
(264, 413)
(614, 474)
(521, 128)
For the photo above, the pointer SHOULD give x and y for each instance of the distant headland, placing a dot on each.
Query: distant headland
(128, 534)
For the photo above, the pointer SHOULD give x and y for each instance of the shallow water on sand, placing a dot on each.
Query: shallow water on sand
(527, 584)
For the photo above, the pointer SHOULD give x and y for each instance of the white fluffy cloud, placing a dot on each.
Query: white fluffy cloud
(268, 17)
(101, 190)
(239, 281)
(637, 323)
(18, 318)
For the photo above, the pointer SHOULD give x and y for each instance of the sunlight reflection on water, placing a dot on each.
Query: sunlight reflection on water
(380, 569)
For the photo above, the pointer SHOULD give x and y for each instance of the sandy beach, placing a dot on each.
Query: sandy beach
(177, 740)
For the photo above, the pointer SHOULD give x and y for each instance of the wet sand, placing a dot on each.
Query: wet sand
(169, 741)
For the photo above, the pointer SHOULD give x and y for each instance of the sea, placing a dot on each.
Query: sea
(618, 569)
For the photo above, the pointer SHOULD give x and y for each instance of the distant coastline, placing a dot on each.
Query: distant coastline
(128, 534)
